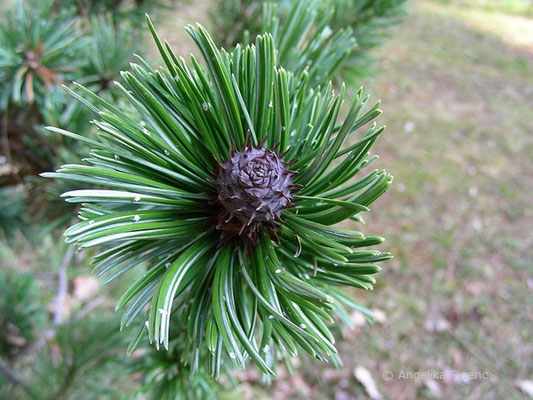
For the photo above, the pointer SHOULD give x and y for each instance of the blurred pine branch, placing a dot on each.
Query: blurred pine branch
(336, 37)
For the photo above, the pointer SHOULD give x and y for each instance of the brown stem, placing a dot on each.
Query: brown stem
(62, 285)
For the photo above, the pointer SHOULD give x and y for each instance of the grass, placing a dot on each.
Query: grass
(509, 7)
(456, 98)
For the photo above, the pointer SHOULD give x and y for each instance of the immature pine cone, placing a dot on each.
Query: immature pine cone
(253, 187)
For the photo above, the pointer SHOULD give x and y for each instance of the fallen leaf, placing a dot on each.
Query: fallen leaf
(525, 386)
(380, 316)
(434, 388)
(365, 378)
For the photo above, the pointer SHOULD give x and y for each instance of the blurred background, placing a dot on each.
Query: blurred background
(454, 308)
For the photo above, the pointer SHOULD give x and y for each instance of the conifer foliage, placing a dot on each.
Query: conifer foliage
(45, 44)
(332, 38)
(229, 182)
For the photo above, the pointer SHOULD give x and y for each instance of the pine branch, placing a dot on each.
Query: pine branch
(229, 182)
(340, 33)
(15, 379)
